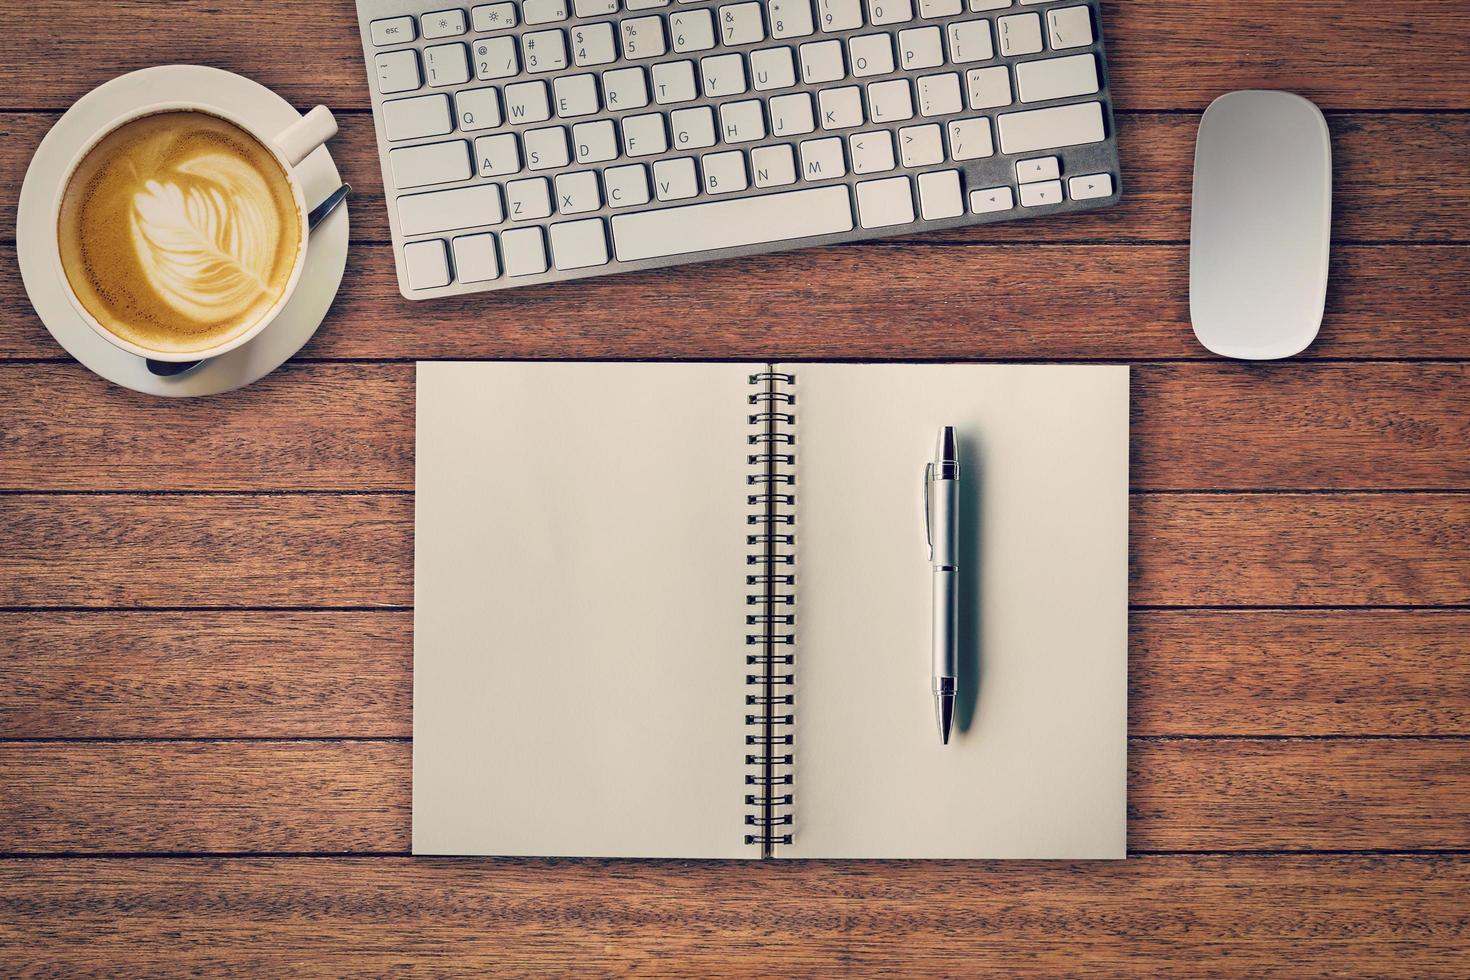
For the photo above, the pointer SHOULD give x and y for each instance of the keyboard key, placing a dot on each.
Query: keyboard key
(478, 108)
(740, 23)
(890, 101)
(1069, 27)
(546, 149)
(498, 156)
(592, 44)
(724, 173)
(463, 207)
(433, 163)
(870, 54)
(772, 68)
(821, 61)
(625, 88)
(427, 264)
(939, 95)
(675, 179)
(742, 122)
(920, 47)
(939, 195)
(939, 8)
(527, 102)
(398, 71)
(789, 18)
(1019, 34)
(496, 58)
(543, 51)
(645, 4)
(1057, 78)
(626, 186)
(443, 23)
(822, 159)
(989, 88)
(839, 15)
(577, 192)
(991, 200)
(579, 244)
(643, 37)
(528, 199)
(724, 74)
(791, 115)
(774, 166)
(920, 146)
(693, 128)
(447, 64)
(1040, 168)
(979, 5)
(969, 40)
(493, 17)
(969, 139)
(411, 119)
(692, 30)
(842, 108)
(673, 81)
(524, 251)
(1045, 129)
(644, 135)
(576, 95)
(594, 142)
(543, 11)
(474, 258)
(1037, 195)
(595, 8)
(392, 30)
(733, 223)
(882, 203)
(890, 11)
(1090, 187)
(871, 153)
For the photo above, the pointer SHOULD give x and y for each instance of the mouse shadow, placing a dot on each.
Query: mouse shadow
(971, 658)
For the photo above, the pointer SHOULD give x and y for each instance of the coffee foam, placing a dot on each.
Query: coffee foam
(179, 231)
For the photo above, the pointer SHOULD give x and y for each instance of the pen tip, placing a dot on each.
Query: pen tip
(944, 711)
(948, 448)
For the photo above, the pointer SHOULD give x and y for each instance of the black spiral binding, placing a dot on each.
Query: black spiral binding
(772, 497)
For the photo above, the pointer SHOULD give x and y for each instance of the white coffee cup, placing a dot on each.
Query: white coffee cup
(290, 146)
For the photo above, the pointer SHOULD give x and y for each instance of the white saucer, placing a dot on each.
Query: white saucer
(36, 242)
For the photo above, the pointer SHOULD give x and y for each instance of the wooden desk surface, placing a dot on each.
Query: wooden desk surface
(205, 642)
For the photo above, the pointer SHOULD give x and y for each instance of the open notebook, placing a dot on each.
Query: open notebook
(599, 615)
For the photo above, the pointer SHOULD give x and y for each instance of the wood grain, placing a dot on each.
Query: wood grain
(1164, 54)
(1184, 795)
(349, 675)
(1158, 160)
(350, 427)
(351, 550)
(901, 301)
(1185, 915)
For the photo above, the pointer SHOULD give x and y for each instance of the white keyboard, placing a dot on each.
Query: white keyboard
(531, 141)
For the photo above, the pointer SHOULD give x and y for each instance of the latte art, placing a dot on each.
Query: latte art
(179, 231)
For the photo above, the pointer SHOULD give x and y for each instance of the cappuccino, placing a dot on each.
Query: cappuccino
(179, 231)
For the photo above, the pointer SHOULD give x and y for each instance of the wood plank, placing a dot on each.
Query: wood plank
(206, 675)
(349, 675)
(1184, 795)
(349, 550)
(900, 301)
(1371, 203)
(1180, 915)
(1300, 550)
(1299, 672)
(1165, 54)
(350, 427)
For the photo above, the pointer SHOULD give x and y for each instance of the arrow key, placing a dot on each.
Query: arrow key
(1091, 186)
(991, 200)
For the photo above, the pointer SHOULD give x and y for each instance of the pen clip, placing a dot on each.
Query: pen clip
(928, 530)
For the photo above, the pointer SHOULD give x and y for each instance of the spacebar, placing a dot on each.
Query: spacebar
(731, 224)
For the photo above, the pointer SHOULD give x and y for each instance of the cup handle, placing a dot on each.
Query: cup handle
(298, 140)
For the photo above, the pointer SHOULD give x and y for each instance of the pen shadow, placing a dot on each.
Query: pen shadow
(970, 657)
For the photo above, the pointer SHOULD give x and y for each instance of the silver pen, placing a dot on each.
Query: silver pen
(941, 526)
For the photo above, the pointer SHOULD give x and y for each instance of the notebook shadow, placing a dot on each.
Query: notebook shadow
(971, 657)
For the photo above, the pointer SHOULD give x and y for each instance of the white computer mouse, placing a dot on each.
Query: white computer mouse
(1262, 225)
